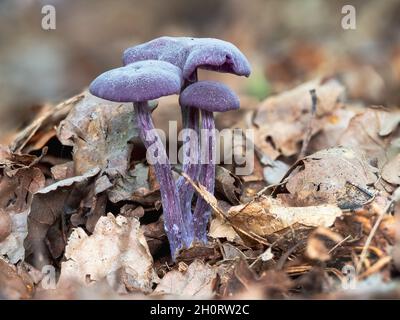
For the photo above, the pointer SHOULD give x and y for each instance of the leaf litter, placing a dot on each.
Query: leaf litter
(77, 194)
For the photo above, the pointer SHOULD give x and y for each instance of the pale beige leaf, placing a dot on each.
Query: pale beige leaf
(116, 244)
(197, 281)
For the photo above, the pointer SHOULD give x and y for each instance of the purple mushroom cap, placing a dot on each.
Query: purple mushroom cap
(192, 53)
(139, 81)
(210, 96)
(216, 55)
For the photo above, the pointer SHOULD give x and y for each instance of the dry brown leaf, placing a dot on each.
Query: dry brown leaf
(371, 133)
(138, 185)
(391, 170)
(267, 216)
(282, 120)
(228, 185)
(197, 281)
(334, 128)
(49, 204)
(220, 228)
(334, 176)
(41, 130)
(101, 134)
(14, 282)
(63, 171)
(15, 201)
(116, 245)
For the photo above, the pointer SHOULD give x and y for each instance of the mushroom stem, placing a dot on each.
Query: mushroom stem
(173, 222)
(202, 211)
(191, 154)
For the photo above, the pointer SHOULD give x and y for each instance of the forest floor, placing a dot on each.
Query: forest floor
(80, 212)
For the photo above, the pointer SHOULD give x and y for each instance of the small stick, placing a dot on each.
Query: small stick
(371, 235)
(308, 135)
(339, 244)
(382, 262)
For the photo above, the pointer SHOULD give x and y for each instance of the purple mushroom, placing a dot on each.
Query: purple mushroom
(138, 83)
(192, 53)
(209, 97)
(189, 54)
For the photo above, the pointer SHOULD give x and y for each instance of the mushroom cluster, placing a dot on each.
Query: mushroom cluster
(166, 66)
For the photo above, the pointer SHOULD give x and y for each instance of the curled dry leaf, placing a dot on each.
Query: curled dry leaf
(197, 281)
(228, 185)
(11, 162)
(41, 130)
(267, 216)
(335, 176)
(15, 201)
(155, 235)
(116, 245)
(49, 204)
(282, 120)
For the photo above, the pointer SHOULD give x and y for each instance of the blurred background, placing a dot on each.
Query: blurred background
(287, 42)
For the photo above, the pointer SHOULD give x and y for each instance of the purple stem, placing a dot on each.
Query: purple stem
(202, 211)
(173, 221)
(191, 151)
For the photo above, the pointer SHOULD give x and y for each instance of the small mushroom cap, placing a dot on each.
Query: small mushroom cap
(192, 53)
(210, 96)
(140, 81)
(216, 55)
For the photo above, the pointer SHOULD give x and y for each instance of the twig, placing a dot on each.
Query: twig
(366, 191)
(339, 244)
(259, 194)
(372, 234)
(308, 135)
(202, 192)
(376, 267)
(285, 256)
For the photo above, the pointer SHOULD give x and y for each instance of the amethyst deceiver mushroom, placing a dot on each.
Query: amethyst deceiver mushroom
(208, 97)
(138, 83)
(189, 54)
